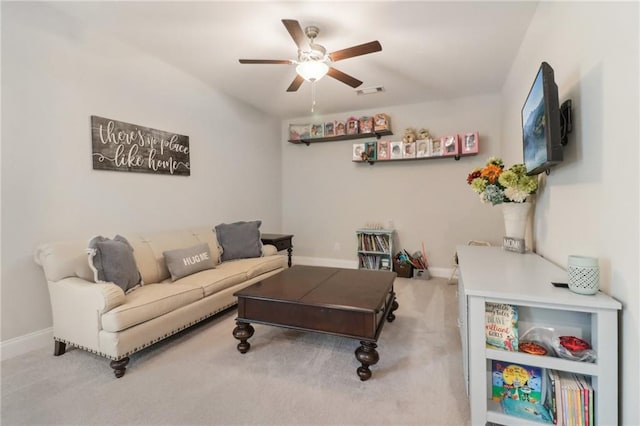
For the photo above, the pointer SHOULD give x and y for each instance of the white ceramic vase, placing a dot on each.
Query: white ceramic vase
(515, 219)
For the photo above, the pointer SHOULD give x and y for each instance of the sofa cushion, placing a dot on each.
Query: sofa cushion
(148, 302)
(255, 266)
(239, 240)
(183, 262)
(214, 280)
(262, 265)
(112, 261)
(149, 249)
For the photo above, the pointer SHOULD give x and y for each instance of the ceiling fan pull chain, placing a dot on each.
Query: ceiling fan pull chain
(313, 95)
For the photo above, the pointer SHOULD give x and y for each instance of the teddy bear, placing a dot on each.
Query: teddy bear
(409, 135)
(423, 134)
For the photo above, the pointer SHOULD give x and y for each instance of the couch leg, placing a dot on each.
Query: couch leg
(119, 367)
(59, 348)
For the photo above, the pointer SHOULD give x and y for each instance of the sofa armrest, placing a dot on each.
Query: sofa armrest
(269, 250)
(77, 306)
(99, 297)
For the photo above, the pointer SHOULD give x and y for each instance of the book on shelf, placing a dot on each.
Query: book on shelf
(358, 150)
(501, 326)
(409, 149)
(552, 398)
(571, 399)
(396, 150)
(368, 261)
(385, 263)
(588, 392)
(384, 150)
(370, 149)
(517, 381)
(526, 410)
(329, 129)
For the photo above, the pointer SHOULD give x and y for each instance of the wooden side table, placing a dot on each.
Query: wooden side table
(281, 241)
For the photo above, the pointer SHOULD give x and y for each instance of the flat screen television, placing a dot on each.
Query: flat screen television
(542, 135)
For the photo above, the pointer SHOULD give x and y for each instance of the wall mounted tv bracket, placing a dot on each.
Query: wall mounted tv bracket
(566, 123)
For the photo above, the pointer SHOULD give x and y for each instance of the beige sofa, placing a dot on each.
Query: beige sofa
(101, 318)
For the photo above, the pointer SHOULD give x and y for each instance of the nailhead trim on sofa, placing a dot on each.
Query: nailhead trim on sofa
(139, 348)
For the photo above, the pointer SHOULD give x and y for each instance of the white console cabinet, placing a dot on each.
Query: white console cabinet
(491, 274)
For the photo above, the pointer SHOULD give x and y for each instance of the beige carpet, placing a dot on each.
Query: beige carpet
(287, 378)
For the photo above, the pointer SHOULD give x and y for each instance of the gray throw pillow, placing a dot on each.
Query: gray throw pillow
(112, 261)
(239, 240)
(187, 261)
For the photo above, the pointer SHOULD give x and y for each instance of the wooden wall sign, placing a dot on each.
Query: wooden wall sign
(127, 147)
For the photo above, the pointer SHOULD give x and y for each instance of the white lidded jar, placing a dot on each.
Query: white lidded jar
(584, 274)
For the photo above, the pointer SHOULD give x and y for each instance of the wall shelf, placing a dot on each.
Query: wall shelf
(435, 157)
(309, 141)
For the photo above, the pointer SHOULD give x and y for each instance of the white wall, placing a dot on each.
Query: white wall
(326, 196)
(56, 73)
(588, 205)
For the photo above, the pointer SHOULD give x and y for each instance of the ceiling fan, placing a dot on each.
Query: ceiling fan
(313, 62)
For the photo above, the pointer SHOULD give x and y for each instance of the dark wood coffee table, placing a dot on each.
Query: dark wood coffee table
(351, 303)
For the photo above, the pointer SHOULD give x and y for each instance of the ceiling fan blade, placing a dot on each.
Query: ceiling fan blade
(361, 49)
(266, 61)
(296, 32)
(295, 84)
(345, 78)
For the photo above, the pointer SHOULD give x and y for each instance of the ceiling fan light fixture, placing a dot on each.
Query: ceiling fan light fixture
(312, 70)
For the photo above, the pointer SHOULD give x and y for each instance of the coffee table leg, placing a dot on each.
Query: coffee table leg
(394, 306)
(367, 355)
(243, 332)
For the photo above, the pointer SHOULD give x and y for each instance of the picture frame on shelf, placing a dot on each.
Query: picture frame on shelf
(370, 151)
(339, 128)
(352, 126)
(299, 131)
(395, 152)
(365, 125)
(381, 122)
(423, 148)
(469, 142)
(408, 149)
(329, 129)
(384, 150)
(436, 147)
(450, 145)
(317, 130)
(358, 150)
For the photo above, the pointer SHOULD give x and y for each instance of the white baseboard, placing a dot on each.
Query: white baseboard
(320, 261)
(353, 264)
(22, 344)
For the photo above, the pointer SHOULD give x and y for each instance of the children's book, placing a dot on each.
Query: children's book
(517, 381)
(329, 129)
(370, 149)
(501, 326)
(358, 150)
(366, 124)
(587, 397)
(526, 410)
(553, 401)
(317, 130)
(396, 150)
(409, 150)
(299, 131)
(423, 148)
(384, 150)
